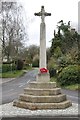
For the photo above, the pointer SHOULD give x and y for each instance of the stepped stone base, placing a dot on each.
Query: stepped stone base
(34, 106)
(42, 92)
(42, 95)
(43, 99)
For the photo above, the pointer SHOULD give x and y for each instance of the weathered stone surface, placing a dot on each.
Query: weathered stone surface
(40, 92)
(43, 99)
(41, 95)
(42, 45)
(42, 85)
(34, 106)
(43, 77)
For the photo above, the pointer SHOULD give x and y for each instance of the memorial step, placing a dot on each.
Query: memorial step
(42, 85)
(42, 99)
(34, 106)
(40, 92)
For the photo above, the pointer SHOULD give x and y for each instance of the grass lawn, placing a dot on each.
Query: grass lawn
(70, 87)
(15, 73)
(12, 74)
(73, 87)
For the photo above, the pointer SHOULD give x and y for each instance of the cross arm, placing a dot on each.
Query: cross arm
(38, 14)
(47, 14)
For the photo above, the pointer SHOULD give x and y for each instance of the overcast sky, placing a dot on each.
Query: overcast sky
(66, 10)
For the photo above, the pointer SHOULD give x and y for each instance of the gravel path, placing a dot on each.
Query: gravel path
(8, 110)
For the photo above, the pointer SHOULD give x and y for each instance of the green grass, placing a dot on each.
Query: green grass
(73, 87)
(15, 73)
(12, 74)
(70, 87)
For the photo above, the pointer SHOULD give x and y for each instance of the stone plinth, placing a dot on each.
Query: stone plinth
(43, 77)
(42, 85)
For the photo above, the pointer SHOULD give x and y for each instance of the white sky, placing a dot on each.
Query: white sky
(66, 10)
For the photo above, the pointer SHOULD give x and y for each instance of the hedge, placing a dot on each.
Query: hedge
(69, 75)
(8, 67)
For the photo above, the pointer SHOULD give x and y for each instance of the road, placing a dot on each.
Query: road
(12, 89)
(74, 96)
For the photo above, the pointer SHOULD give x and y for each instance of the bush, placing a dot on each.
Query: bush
(8, 67)
(62, 61)
(69, 75)
(19, 64)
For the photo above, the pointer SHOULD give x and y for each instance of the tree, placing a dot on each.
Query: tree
(33, 50)
(12, 30)
(65, 48)
(64, 38)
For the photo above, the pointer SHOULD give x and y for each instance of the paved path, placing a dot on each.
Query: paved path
(42, 118)
(72, 95)
(8, 110)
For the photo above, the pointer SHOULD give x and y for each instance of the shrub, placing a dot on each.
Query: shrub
(62, 61)
(8, 67)
(19, 64)
(69, 75)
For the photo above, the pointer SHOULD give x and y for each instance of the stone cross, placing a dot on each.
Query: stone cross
(43, 14)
